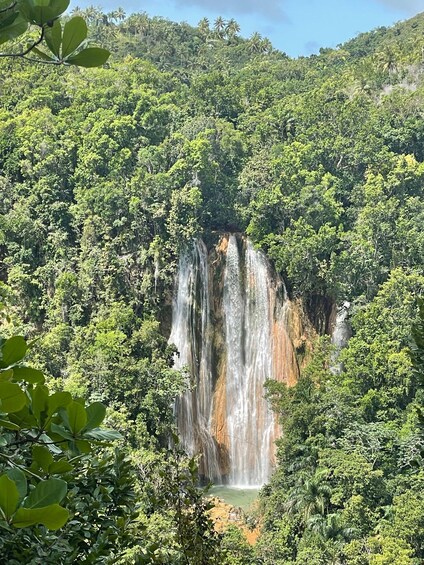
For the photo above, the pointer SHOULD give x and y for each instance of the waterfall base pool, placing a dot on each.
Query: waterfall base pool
(242, 497)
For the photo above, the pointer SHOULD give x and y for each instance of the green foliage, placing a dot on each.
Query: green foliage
(54, 425)
(104, 177)
(65, 45)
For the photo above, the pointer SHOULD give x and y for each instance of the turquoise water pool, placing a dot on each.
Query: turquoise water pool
(240, 497)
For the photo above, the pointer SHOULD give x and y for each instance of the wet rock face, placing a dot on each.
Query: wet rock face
(234, 328)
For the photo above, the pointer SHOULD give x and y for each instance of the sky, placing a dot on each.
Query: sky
(297, 27)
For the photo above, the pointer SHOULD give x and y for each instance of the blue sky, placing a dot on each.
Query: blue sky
(298, 27)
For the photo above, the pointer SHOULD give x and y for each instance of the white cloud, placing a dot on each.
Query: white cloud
(408, 6)
(269, 9)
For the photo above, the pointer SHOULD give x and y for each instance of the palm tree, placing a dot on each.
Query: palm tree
(120, 14)
(232, 29)
(387, 59)
(219, 26)
(266, 45)
(203, 27)
(330, 527)
(309, 499)
(255, 43)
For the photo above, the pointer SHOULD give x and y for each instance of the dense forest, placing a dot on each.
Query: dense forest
(107, 173)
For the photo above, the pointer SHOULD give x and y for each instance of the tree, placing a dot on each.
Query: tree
(61, 45)
(232, 28)
(41, 433)
(219, 27)
(309, 499)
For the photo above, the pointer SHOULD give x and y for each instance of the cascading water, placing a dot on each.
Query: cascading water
(340, 335)
(191, 335)
(248, 331)
(224, 416)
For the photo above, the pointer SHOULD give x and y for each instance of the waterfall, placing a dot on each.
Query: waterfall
(191, 334)
(224, 416)
(248, 333)
(340, 335)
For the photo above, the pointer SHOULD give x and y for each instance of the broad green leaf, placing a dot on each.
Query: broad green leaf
(9, 496)
(23, 418)
(105, 435)
(82, 446)
(12, 398)
(46, 492)
(96, 413)
(19, 478)
(6, 375)
(74, 33)
(12, 27)
(42, 457)
(42, 55)
(40, 12)
(40, 396)
(13, 350)
(28, 374)
(53, 37)
(9, 425)
(7, 16)
(3, 441)
(77, 417)
(59, 467)
(52, 516)
(61, 431)
(90, 57)
(51, 446)
(58, 400)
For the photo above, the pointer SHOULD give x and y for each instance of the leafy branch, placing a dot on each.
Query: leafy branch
(56, 44)
(57, 427)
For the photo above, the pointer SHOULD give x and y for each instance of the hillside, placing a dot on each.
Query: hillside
(107, 174)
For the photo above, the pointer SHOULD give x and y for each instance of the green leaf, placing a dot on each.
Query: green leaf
(28, 374)
(13, 350)
(40, 396)
(58, 400)
(90, 57)
(6, 375)
(82, 446)
(42, 457)
(96, 413)
(19, 478)
(104, 435)
(9, 425)
(45, 493)
(77, 417)
(9, 496)
(74, 33)
(23, 418)
(51, 446)
(53, 37)
(40, 12)
(61, 431)
(12, 27)
(41, 54)
(59, 467)
(52, 516)
(12, 398)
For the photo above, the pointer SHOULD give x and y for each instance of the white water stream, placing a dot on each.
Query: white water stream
(247, 361)
(248, 334)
